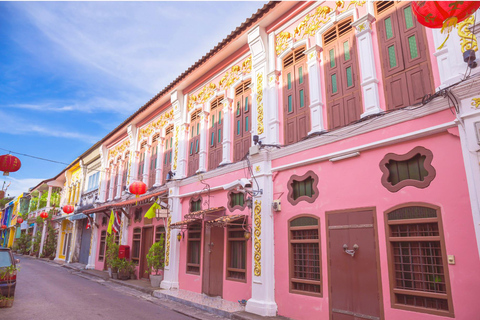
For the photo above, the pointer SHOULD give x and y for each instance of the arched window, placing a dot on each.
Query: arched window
(402, 42)
(167, 156)
(295, 96)
(215, 134)
(242, 123)
(304, 257)
(194, 143)
(344, 104)
(418, 267)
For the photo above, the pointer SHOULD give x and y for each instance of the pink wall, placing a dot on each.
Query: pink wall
(232, 290)
(360, 186)
(99, 264)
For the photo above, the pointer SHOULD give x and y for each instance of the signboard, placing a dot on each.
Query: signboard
(161, 213)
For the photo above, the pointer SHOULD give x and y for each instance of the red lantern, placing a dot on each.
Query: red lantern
(44, 215)
(19, 220)
(9, 163)
(443, 14)
(68, 209)
(4, 227)
(138, 188)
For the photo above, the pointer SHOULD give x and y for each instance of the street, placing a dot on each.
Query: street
(49, 291)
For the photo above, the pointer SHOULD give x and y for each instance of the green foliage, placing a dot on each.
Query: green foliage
(50, 247)
(4, 201)
(36, 241)
(5, 274)
(112, 251)
(155, 257)
(24, 243)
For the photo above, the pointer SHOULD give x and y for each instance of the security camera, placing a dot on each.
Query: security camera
(237, 184)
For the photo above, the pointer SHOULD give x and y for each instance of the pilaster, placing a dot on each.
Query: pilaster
(271, 101)
(369, 81)
(112, 183)
(179, 163)
(119, 180)
(202, 161)
(315, 88)
(103, 174)
(132, 132)
(93, 244)
(172, 246)
(146, 163)
(227, 131)
(160, 155)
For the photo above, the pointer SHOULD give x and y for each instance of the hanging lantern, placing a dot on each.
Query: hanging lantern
(44, 215)
(443, 14)
(9, 163)
(138, 188)
(4, 227)
(68, 209)
(19, 220)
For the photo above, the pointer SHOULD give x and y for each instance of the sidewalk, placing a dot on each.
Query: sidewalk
(192, 302)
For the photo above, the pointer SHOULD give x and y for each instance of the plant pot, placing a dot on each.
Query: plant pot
(110, 272)
(133, 276)
(155, 280)
(114, 275)
(123, 275)
(6, 303)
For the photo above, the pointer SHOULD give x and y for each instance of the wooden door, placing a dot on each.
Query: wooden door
(85, 242)
(194, 143)
(147, 241)
(215, 134)
(354, 288)
(242, 121)
(213, 261)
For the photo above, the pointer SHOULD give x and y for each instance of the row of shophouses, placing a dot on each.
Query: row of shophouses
(320, 162)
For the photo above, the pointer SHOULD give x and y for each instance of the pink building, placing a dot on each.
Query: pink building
(309, 168)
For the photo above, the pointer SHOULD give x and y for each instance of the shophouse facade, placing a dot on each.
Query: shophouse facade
(312, 164)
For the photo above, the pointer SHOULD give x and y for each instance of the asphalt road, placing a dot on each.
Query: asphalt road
(48, 291)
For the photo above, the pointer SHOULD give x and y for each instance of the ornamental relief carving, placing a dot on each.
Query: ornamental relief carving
(260, 127)
(468, 41)
(257, 242)
(119, 149)
(167, 247)
(156, 125)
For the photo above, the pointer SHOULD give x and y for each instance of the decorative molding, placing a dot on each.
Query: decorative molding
(257, 241)
(155, 125)
(260, 127)
(175, 157)
(282, 41)
(167, 249)
(468, 40)
(308, 174)
(476, 103)
(119, 149)
(230, 195)
(355, 3)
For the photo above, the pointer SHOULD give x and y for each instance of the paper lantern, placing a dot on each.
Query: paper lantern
(19, 220)
(68, 209)
(443, 14)
(44, 215)
(9, 163)
(4, 227)
(138, 188)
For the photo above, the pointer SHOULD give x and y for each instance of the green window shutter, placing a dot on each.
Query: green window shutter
(246, 124)
(219, 135)
(412, 44)
(191, 147)
(246, 104)
(332, 58)
(334, 83)
(346, 50)
(220, 117)
(196, 146)
(213, 120)
(300, 75)
(408, 17)
(290, 103)
(349, 77)
(388, 28)
(238, 127)
(392, 57)
(289, 80)
(302, 102)
(192, 132)
(238, 108)
(212, 139)
(198, 128)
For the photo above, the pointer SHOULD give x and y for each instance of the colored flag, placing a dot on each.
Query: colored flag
(110, 222)
(88, 225)
(117, 223)
(150, 214)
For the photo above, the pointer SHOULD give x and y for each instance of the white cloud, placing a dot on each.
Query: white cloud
(17, 186)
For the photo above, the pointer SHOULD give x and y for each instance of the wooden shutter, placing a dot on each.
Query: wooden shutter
(215, 134)
(167, 156)
(194, 143)
(404, 55)
(242, 124)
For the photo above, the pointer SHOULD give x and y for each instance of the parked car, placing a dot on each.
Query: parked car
(7, 282)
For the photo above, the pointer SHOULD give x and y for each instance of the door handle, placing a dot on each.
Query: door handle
(350, 252)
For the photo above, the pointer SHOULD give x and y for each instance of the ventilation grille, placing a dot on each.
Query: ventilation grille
(144, 143)
(344, 28)
(412, 213)
(155, 137)
(338, 31)
(215, 103)
(242, 88)
(195, 115)
(383, 6)
(294, 57)
(169, 130)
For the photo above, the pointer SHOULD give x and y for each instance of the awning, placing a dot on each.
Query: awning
(62, 217)
(77, 216)
(134, 201)
(183, 223)
(207, 214)
(227, 220)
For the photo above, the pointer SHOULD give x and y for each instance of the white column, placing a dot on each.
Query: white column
(271, 103)
(119, 180)
(160, 155)
(43, 238)
(49, 196)
(179, 161)
(369, 81)
(262, 301)
(146, 163)
(72, 242)
(227, 131)
(112, 183)
(93, 245)
(132, 132)
(202, 162)
(103, 174)
(315, 88)
(172, 255)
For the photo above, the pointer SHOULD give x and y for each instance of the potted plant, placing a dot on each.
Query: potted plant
(9, 274)
(111, 254)
(125, 268)
(115, 265)
(155, 263)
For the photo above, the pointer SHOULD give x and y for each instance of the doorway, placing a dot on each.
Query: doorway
(147, 241)
(85, 242)
(212, 284)
(353, 271)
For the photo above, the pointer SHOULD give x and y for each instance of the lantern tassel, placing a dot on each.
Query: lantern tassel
(5, 173)
(443, 43)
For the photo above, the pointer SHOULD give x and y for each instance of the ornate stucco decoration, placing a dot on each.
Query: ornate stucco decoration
(476, 103)
(468, 41)
(312, 23)
(341, 4)
(257, 220)
(206, 93)
(260, 103)
(175, 157)
(282, 41)
(233, 75)
(167, 249)
(119, 149)
(155, 125)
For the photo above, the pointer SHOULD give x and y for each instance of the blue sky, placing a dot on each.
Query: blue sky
(70, 72)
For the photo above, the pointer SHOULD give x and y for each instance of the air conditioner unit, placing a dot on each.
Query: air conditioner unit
(276, 205)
